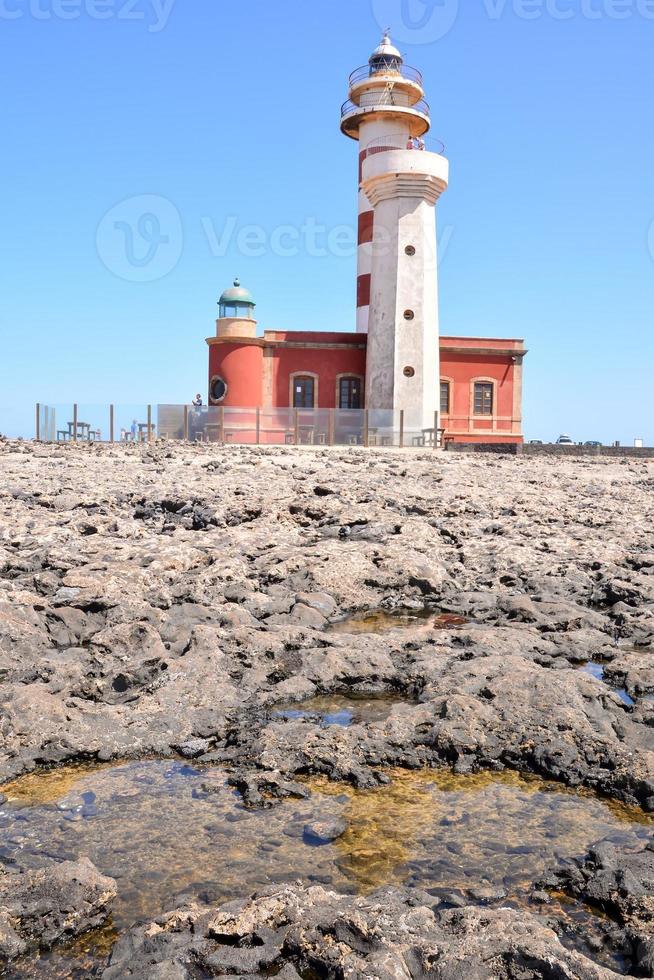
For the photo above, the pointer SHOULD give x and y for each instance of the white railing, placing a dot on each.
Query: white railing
(402, 141)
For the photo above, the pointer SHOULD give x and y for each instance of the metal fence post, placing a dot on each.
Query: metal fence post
(332, 426)
(366, 428)
(111, 423)
(297, 427)
(186, 423)
(401, 428)
(38, 422)
(149, 420)
(258, 426)
(75, 422)
(435, 446)
(221, 432)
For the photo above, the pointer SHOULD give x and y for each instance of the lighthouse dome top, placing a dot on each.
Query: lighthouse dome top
(237, 294)
(237, 302)
(386, 53)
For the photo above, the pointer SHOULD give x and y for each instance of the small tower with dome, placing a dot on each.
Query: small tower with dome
(235, 352)
(236, 313)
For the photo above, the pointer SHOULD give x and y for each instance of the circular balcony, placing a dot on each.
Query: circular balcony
(383, 103)
(365, 73)
(400, 141)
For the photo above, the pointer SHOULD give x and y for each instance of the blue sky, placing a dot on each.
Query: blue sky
(219, 118)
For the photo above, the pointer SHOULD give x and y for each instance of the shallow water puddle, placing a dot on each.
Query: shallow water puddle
(597, 671)
(384, 621)
(168, 832)
(343, 709)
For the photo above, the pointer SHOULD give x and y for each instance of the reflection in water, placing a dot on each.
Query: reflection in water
(598, 672)
(594, 669)
(343, 709)
(384, 621)
(168, 832)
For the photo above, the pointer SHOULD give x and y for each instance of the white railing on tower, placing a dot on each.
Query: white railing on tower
(404, 71)
(402, 141)
(385, 98)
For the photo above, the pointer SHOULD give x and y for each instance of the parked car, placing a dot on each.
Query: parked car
(594, 443)
(535, 442)
(564, 440)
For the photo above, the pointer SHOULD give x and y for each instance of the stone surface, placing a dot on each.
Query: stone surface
(620, 883)
(390, 935)
(200, 602)
(324, 831)
(168, 599)
(39, 908)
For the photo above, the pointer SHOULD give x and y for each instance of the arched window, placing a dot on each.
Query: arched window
(304, 390)
(349, 391)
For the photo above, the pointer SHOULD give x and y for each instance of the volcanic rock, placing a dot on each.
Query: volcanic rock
(39, 908)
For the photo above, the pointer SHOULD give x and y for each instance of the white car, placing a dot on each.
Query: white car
(564, 441)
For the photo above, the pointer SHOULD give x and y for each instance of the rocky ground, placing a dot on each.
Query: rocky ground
(166, 599)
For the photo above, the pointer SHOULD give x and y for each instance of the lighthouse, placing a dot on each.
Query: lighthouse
(401, 178)
(395, 380)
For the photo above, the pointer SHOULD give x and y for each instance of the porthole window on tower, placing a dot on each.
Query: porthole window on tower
(409, 315)
(409, 372)
(410, 250)
(218, 389)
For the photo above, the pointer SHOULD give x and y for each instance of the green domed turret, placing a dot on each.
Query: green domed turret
(237, 302)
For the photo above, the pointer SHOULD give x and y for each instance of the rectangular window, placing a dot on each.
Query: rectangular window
(445, 397)
(483, 398)
(349, 393)
(303, 392)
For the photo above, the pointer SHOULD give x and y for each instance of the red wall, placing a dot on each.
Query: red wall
(326, 363)
(462, 370)
(241, 366)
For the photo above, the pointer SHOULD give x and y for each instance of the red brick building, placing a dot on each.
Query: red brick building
(480, 378)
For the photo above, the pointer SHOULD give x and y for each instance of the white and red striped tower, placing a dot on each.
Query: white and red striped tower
(386, 100)
(400, 181)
